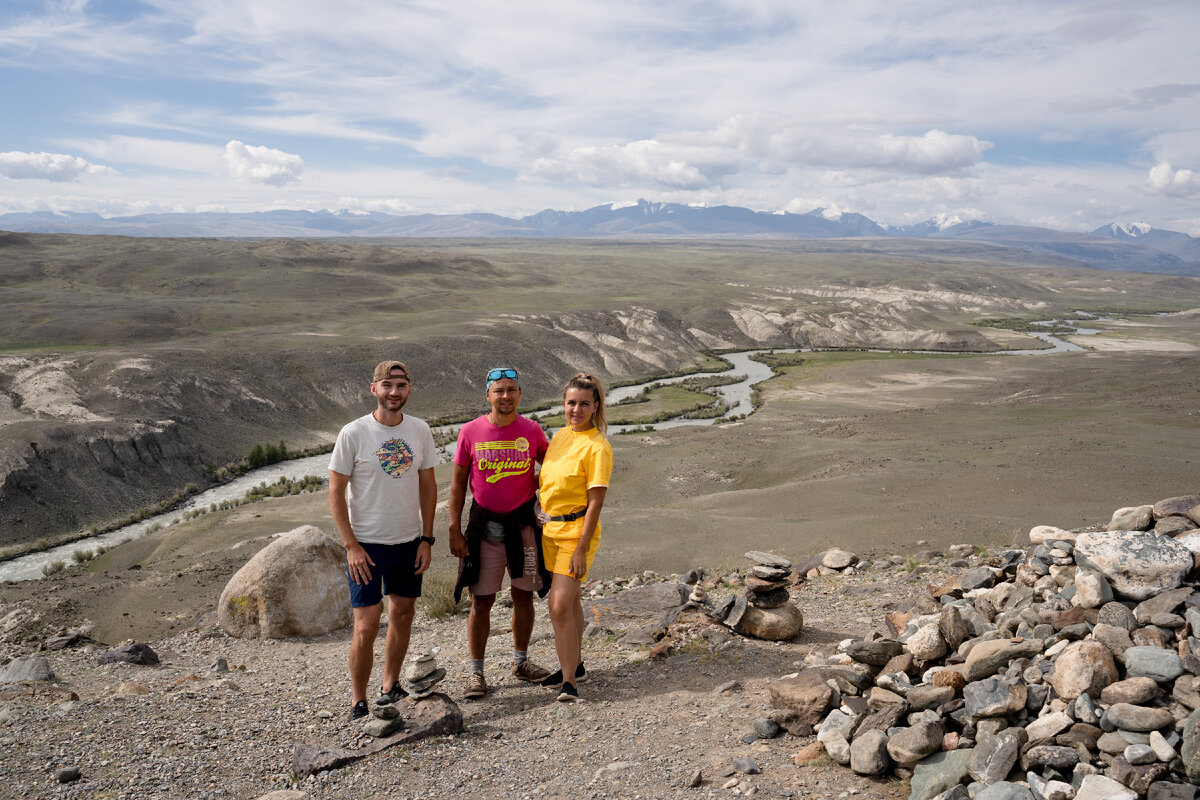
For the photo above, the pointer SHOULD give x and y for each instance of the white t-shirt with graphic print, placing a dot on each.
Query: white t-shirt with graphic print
(382, 462)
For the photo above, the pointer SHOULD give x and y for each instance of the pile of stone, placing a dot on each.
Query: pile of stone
(421, 674)
(765, 610)
(1069, 671)
(831, 562)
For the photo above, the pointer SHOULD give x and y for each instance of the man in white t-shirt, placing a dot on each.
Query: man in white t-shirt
(382, 493)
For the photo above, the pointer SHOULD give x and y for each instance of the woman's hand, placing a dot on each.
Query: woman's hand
(578, 566)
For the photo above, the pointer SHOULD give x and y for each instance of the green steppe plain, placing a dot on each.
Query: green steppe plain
(873, 452)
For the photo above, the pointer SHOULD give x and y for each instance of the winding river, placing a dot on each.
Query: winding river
(735, 395)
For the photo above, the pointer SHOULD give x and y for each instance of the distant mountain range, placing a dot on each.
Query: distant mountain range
(1136, 247)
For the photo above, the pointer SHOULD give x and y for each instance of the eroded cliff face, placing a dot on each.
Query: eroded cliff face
(88, 438)
(67, 477)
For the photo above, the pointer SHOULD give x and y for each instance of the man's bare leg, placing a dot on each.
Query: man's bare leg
(362, 648)
(479, 624)
(522, 618)
(400, 616)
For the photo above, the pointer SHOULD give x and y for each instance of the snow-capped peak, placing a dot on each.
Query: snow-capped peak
(944, 221)
(1131, 229)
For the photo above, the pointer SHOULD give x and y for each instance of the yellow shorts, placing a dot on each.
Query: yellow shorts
(558, 552)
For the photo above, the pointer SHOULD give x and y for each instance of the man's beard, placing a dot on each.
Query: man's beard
(385, 403)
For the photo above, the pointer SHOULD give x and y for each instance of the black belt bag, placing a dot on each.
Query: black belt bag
(574, 515)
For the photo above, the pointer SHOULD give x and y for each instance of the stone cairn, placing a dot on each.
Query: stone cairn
(1070, 670)
(421, 674)
(766, 610)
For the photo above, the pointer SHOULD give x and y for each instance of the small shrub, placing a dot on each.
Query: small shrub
(82, 555)
(51, 567)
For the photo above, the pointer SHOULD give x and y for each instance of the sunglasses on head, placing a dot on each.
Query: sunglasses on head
(497, 374)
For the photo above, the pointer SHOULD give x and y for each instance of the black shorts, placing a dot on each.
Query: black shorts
(393, 573)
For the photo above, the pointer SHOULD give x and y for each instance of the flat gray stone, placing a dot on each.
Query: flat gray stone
(1101, 787)
(995, 756)
(1153, 662)
(994, 697)
(26, 668)
(1138, 718)
(768, 559)
(1005, 791)
(436, 715)
(939, 773)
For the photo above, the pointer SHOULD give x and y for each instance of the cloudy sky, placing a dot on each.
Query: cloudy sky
(1057, 113)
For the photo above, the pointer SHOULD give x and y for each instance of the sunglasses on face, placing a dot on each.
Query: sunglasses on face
(497, 374)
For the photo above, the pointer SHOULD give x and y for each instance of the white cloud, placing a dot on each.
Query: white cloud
(1172, 182)
(648, 162)
(262, 164)
(852, 146)
(58, 167)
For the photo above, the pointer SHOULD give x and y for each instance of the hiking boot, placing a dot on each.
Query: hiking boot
(555, 678)
(359, 710)
(567, 693)
(474, 685)
(391, 695)
(527, 670)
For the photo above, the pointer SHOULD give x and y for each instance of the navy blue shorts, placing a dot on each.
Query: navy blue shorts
(392, 574)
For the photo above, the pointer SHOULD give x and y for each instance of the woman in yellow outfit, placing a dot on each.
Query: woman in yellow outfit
(572, 485)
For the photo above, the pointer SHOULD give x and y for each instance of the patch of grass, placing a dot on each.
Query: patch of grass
(911, 563)
(1023, 325)
(437, 597)
(779, 360)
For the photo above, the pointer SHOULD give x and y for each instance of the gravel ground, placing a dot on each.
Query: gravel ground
(647, 725)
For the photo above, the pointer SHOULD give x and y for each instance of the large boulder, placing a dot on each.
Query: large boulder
(295, 586)
(1137, 564)
(771, 624)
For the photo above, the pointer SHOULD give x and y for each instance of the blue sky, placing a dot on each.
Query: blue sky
(1063, 114)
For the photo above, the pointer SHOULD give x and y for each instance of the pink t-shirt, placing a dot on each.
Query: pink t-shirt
(501, 460)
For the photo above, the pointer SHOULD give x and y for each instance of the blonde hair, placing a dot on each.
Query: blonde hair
(588, 381)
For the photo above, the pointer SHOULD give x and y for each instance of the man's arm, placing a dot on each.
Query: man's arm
(427, 494)
(357, 560)
(458, 498)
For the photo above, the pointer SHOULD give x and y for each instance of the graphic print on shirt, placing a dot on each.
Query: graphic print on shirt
(503, 459)
(395, 456)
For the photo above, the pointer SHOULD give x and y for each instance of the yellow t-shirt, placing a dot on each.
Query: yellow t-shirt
(574, 463)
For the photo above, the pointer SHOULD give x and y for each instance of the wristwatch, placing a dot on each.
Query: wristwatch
(429, 539)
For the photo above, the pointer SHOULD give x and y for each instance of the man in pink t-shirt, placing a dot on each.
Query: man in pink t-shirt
(496, 455)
